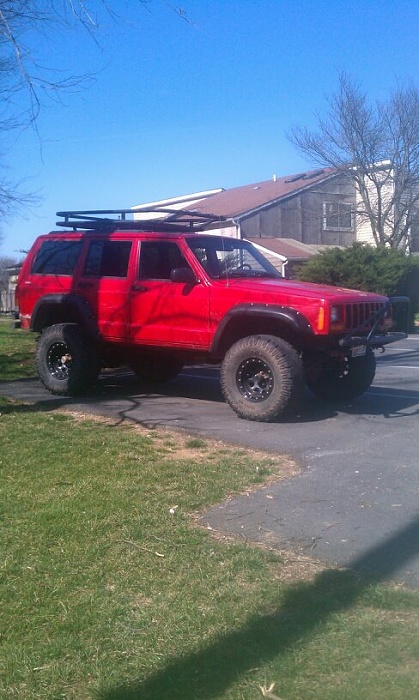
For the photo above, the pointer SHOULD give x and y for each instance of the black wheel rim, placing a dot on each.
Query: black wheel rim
(331, 369)
(59, 361)
(254, 379)
(338, 368)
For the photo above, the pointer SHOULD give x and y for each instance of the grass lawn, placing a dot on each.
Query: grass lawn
(17, 348)
(110, 591)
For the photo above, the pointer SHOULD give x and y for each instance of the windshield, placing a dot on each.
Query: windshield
(223, 258)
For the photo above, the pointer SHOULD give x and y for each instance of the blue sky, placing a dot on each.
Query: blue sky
(181, 105)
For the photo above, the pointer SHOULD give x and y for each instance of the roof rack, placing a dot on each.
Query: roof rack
(178, 220)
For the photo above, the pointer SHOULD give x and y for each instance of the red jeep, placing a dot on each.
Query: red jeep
(110, 290)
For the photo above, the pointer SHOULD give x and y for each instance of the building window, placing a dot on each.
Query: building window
(338, 216)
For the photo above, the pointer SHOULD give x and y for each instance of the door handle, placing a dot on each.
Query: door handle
(139, 288)
(85, 285)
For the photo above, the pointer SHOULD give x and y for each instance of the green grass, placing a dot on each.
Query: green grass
(110, 591)
(17, 348)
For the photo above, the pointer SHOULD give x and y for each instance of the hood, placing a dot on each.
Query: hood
(300, 289)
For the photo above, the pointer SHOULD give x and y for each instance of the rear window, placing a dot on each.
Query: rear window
(57, 258)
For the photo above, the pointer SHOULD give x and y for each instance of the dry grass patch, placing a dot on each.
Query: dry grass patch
(181, 446)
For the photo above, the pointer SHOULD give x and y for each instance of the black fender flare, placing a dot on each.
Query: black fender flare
(75, 310)
(293, 319)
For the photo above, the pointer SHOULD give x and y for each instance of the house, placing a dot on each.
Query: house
(315, 207)
(289, 217)
(288, 252)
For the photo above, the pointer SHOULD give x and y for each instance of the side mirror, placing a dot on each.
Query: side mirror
(184, 275)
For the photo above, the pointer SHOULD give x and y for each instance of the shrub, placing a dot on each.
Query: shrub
(383, 270)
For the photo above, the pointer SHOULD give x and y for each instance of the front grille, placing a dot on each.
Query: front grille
(357, 314)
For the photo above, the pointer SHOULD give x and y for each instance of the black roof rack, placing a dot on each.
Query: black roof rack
(179, 220)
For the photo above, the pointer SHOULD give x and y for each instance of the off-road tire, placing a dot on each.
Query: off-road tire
(339, 377)
(262, 378)
(156, 369)
(66, 361)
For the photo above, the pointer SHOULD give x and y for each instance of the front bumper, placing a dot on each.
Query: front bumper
(368, 334)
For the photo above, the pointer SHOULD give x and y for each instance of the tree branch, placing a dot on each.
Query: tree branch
(378, 146)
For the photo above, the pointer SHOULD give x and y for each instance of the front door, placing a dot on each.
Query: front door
(166, 313)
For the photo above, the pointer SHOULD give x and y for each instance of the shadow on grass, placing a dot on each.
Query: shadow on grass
(15, 365)
(301, 613)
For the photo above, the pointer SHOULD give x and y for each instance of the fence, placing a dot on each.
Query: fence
(7, 302)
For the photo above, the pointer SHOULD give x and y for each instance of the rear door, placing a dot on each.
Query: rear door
(104, 283)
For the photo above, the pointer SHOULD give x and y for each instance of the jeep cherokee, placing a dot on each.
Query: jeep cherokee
(108, 290)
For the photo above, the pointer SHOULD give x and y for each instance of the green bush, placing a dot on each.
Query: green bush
(382, 270)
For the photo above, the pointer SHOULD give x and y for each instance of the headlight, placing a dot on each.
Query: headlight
(335, 314)
(337, 318)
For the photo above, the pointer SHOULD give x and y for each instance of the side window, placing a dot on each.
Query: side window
(107, 259)
(158, 259)
(57, 258)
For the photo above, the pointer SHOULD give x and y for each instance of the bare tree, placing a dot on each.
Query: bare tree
(377, 145)
(5, 263)
(20, 67)
(25, 81)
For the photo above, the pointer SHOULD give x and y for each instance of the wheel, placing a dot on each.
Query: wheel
(67, 364)
(261, 377)
(157, 369)
(339, 377)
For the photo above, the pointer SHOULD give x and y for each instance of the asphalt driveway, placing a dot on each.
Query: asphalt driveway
(356, 499)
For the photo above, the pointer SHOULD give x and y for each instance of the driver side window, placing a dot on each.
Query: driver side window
(158, 259)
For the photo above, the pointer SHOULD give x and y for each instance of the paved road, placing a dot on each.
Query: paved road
(356, 500)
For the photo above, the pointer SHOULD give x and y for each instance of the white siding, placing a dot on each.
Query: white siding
(363, 226)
